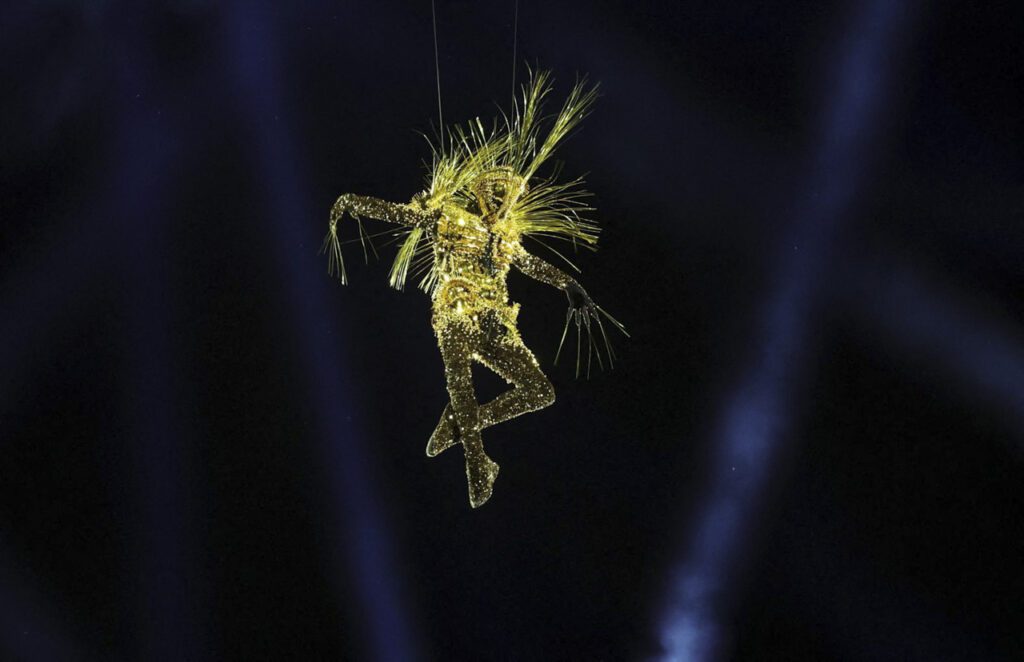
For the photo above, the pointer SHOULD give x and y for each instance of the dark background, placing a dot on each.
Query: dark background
(211, 451)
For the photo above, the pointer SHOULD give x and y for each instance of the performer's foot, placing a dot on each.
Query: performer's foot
(481, 471)
(445, 434)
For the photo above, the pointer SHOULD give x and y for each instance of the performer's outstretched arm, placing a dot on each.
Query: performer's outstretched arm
(538, 269)
(414, 214)
(364, 206)
(582, 309)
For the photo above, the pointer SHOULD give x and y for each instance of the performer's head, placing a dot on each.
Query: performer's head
(495, 188)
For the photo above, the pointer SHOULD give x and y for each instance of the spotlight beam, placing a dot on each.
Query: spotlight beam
(167, 627)
(927, 321)
(116, 234)
(755, 418)
(352, 505)
(149, 146)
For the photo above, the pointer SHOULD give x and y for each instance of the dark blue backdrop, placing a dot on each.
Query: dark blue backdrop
(810, 449)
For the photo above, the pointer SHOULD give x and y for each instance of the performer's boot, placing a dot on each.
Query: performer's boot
(481, 471)
(445, 434)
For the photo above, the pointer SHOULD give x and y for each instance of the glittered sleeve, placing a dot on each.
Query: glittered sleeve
(364, 206)
(538, 269)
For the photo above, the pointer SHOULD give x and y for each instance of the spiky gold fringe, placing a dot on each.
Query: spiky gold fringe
(521, 143)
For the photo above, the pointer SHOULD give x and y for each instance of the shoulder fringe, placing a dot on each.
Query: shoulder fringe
(520, 143)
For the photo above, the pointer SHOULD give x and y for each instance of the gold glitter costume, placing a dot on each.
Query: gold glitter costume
(464, 234)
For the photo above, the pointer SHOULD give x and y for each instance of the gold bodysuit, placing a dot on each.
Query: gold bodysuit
(474, 321)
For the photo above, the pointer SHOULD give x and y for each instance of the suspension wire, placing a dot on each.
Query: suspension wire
(437, 71)
(437, 62)
(515, 41)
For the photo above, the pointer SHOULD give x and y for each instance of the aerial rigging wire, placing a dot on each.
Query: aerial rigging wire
(437, 61)
(515, 41)
(437, 71)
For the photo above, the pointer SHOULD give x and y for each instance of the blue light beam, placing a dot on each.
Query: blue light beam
(149, 147)
(755, 418)
(930, 322)
(115, 235)
(353, 506)
(167, 593)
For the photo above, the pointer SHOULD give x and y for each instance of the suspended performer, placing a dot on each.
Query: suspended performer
(463, 234)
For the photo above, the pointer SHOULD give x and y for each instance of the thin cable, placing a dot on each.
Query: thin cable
(437, 71)
(515, 41)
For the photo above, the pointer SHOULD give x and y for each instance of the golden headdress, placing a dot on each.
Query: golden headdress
(512, 151)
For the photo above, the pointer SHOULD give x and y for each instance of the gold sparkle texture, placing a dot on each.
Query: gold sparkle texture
(463, 234)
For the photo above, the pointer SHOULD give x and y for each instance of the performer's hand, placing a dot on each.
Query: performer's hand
(338, 209)
(335, 262)
(586, 315)
(578, 297)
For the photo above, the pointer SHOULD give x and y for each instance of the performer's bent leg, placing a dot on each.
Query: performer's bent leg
(458, 344)
(444, 436)
(516, 364)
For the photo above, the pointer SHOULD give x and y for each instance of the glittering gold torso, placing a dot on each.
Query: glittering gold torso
(472, 255)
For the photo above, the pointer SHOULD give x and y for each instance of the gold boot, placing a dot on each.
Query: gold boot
(445, 434)
(481, 471)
